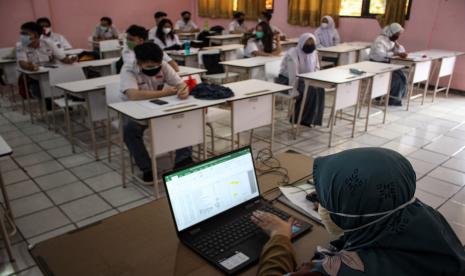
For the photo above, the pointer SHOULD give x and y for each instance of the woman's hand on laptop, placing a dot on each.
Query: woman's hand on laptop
(272, 224)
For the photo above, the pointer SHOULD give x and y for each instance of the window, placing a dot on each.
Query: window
(269, 5)
(366, 8)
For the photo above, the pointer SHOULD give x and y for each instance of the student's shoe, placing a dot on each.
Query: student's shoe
(394, 102)
(147, 177)
(183, 163)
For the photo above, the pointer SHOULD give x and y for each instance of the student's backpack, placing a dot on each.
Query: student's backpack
(205, 91)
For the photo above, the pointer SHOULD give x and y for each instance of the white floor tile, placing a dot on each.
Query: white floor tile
(42, 222)
(421, 167)
(7, 164)
(412, 141)
(32, 159)
(449, 175)
(75, 160)
(104, 181)
(44, 168)
(25, 150)
(69, 192)
(23, 259)
(51, 234)
(22, 189)
(456, 164)
(446, 145)
(90, 169)
(33, 203)
(120, 196)
(460, 196)
(453, 212)
(400, 148)
(384, 133)
(54, 180)
(55, 143)
(96, 218)
(63, 151)
(432, 200)
(437, 187)
(85, 208)
(459, 230)
(134, 204)
(14, 176)
(371, 140)
(428, 156)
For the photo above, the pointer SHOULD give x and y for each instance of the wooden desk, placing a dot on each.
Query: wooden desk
(143, 241)
(347, 92)
(225, 39)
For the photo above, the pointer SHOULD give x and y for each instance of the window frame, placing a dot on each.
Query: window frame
(366, 11)
(268, 10)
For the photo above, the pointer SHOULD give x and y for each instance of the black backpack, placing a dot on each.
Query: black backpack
(211, 92)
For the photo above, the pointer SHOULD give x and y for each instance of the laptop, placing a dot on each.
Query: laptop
(211, 203)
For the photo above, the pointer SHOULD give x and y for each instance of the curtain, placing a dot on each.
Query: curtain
(310, 12)
(251, 8)
(395, 12)
(216, 8)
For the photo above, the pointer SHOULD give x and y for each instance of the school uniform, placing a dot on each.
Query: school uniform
(169, 42)
(237, 27)
(182, 26)
(59, 40)
(106, 33)
(133, 131)
(328, 36)
(129, 56)
(153, 33)
(254, 45)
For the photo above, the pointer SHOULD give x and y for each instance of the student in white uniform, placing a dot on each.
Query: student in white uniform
(159, 16)
(383, 49)
(264, 43)
(59, 40)
(300, 60)
(105, 30)
(32, 52)
(137, 35)
(238, 26)
(149, 77)
(266, 17)
(327, 33)
(165, 36)
(186, 25)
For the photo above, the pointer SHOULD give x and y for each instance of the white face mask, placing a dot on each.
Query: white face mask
(47, 30)
(167, 30)
(330, 226)
(324, 25)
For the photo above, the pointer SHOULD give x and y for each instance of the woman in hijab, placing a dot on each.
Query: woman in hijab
(300, 60)
(327, 34)
(383, 49)
(366, 197)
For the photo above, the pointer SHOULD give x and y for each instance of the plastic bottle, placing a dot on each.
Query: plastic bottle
(187, 48)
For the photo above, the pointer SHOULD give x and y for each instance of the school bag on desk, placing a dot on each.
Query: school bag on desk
(205, 91)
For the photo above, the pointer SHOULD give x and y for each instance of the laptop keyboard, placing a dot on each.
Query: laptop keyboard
(220, 240)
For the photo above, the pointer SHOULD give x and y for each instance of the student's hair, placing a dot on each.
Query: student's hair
(148, 52)
(159, 14)
(160, 34)
(185, 12)
(108, 19)
(138, 31)
(44, 20)
(268, 15)
(32, 27)
(238, 14)
(267, 38)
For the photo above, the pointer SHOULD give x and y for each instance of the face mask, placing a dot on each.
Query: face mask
(330, 226)
(240, 21)
(394, 38)
(259, 35)
(382, 215)
(324, 25)
(103, 28)
(131, 44)
(152, 71)
(47, 31)
(186, 19)
(308, 49)
(167, 30)
(25, 40)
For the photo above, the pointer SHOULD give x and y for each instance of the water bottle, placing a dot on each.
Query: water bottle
(187, 48)
(205, 25)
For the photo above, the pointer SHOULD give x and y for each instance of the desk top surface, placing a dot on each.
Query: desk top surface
(251, 62)
(253, 88)
(373, 67)
(143, 241)
(223, 48)
(5, 149)
(91, 63)
(346, 47)
(436, 53)
(225, 36)
(334, 75)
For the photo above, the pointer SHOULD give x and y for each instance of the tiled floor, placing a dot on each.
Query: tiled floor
(54, 191)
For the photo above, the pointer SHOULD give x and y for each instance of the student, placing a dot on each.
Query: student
(266, 17)
(137, 35)
(165, 36)
(105, 30)
(367, 199)
(159, 16)
(327, 33)
(147, 78)
(383, 49)
(59, 40)
(265, 43)
(300, 60)
(237, 26)
(186, 25)
(32, 51)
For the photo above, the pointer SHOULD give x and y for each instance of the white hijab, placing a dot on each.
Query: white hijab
(306, 62)
(325, 35)
(392, 29)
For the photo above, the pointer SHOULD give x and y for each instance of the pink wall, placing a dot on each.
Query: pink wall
(432, 24)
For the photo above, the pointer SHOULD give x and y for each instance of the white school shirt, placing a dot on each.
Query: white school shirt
(153, 33)
(277, 30)
(46, 52)
(383, 49)
(59, 40)
(169, 41)
(129, 56)
(236, 27)
(109, 33)
(254, 45)
(132, 78)
(185, 27)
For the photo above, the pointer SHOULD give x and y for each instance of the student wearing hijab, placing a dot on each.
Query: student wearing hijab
(327, 33)
(165, 36)
(265, 43)
(300, 60)
(367, 198)
(383, 49)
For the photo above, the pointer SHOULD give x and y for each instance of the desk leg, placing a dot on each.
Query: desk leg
(28, 98)
(6, 200)
(448, 84)
(332, 119)
(411, 85)
(91, 127)
(301, 111)
(370, 100)
(426, 88)
(386, 100)
(273, 101)
(69, 126)
(204, 126)
(121, 148)
(154, 160)
(232, 126)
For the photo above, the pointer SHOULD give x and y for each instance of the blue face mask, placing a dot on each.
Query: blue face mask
(25, 40)
(259, 35)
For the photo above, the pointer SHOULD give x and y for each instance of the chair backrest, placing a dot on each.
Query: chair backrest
(272, 70)
(112, 93)
(64, 74)
(109, 45)
(210, 61)
(5, 51)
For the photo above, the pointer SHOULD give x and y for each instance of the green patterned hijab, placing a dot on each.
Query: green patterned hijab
(370, 194)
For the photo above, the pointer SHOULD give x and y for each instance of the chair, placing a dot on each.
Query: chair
(62, 75)
(215, 72)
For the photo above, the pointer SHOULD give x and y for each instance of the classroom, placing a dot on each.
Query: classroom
(232, 137)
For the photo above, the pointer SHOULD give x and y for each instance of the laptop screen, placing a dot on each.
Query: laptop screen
(210, 188)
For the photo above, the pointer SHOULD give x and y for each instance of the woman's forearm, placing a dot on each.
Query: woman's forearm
(278, 257)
